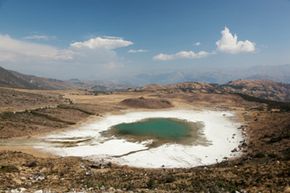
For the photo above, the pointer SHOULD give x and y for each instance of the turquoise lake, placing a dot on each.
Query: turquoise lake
(160, 130)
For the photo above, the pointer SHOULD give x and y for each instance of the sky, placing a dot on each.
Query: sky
(115, 39)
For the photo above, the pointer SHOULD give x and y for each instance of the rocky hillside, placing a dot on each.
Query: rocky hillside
(193, 87)
(264, 89)
(17, 80)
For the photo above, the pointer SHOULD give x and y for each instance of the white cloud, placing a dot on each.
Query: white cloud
(105, 42)
(229, 43)
(197, 43)
(181, 55)
(39, 37)
(13, 49)
(84, 62)
(137, 51)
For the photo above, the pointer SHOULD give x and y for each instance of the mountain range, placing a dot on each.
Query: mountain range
(278, 73)
(257, 81)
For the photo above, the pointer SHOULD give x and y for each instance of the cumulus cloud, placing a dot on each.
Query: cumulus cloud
(39, 37)
(181, 55)
(137, 51)
(229, 43)
(13, 49)
(105, 42)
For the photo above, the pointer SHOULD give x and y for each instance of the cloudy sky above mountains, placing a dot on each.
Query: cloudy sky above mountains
(107, 39)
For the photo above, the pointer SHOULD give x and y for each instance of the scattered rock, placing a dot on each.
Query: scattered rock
(31, 164)
(38, 177)
(234, 150)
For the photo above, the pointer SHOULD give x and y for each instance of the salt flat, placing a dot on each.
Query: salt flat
(87, 141)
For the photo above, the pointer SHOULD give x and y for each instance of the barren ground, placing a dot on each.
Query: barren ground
(264, 166)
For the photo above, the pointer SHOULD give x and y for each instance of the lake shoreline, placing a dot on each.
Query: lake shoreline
(223, 141)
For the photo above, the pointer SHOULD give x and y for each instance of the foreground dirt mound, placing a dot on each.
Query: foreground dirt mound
(148, 103)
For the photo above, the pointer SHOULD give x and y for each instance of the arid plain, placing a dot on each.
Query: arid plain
(27, 114)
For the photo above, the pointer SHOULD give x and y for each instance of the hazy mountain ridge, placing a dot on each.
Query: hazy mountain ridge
(278, 73)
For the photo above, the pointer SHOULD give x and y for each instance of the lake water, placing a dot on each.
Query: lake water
(160, 130)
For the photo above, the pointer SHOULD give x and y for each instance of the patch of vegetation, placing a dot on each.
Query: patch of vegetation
(51, 117)
(8, 168)
(283, 106)
(169, 178)
(6, 115)
(286, 154)
(150, 183)
(259, 155)
(63, 106)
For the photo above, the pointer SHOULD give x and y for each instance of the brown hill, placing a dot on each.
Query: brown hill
(17, 80)
(265, 89)
(193, 87)
(149, 103)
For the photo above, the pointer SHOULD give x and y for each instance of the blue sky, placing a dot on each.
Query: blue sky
(38, 37)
